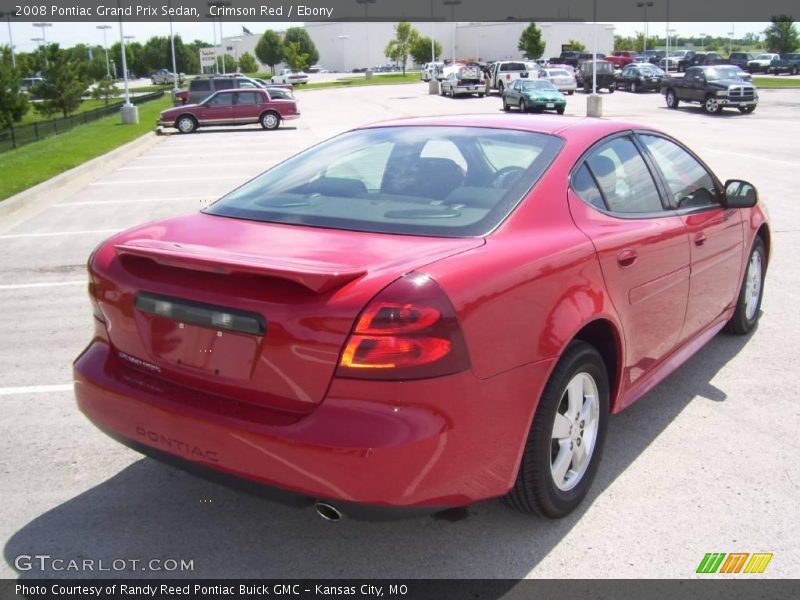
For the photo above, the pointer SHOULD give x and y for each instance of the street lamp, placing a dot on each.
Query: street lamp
(105, 47)
(8, 16)
(220, 4)
(669, 33)
(452, 4)
(366, 3)
(43, 27)
(730, 39)
(703, 41)
(644, 4)
(172, 50)
(130, 113)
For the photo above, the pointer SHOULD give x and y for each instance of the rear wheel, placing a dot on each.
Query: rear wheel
(635, 87)
(746, 109)
(672, 99)
(270, 120)
(521, 106)
(748, 305)
(566, 438)
(186, 124)
(506, 107)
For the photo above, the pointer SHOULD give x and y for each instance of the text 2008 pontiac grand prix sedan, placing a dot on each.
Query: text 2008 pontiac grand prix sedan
(424, 313)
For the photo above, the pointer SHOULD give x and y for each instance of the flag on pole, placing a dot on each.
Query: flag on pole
(246, 31)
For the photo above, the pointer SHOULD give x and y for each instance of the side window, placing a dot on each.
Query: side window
(222, 99)
(689, 183)
(624, 178)
(200, 85)
(223, 84)
(584, 185)
(248, 98)
(243, 83)
(445, 149)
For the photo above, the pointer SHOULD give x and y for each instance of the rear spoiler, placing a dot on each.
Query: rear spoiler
(317, 276)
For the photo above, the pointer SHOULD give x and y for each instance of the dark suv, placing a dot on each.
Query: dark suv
(740, 59)
(605, 75)
(201, 88)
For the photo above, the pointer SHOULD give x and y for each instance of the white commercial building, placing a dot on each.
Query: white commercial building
(346, 46)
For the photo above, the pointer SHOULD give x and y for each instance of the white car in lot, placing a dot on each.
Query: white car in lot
(563, 80)
(431, 70)
(460, 79)
(289, 76)
(762, 62)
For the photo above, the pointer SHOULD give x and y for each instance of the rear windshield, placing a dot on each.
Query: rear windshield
(439, 181)
(513, 67)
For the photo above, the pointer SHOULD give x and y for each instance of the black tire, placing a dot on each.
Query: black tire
(522, 106)
(500, 88)
(740, 323)
(672, 99)
(270, 120)
(535, 491)
(481, 94)
(506, 107)
(186, 124)
(746, 109)
(793, 71)
(560, 111)
(611, 89)
(711, 105)
(570, 92)
(635, 87)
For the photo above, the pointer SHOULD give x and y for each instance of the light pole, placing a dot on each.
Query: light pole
(730, 39)
(433, 43)
(43, 27)
(366, 3)
(452, 4)
(219, 4)
(703, 41)
(130, 113)
(172, 51)
(8, 16)
(644, 4)
(344, 38)
(669, 34)
(104, 28)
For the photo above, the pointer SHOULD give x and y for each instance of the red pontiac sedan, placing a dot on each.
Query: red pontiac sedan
(232, 107)
(423, 313)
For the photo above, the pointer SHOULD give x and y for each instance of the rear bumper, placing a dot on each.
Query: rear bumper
(290, 117)
(425, 444)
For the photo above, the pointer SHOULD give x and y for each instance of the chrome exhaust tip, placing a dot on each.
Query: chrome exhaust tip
(328, 512)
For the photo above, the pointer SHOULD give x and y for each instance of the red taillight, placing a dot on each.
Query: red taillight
(408, 331)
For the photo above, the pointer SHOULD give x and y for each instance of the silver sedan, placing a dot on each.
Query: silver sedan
(563, 80)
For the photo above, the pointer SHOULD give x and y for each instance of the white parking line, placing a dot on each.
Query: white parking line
(131, 201)
(173, 180)
(36, 389)
(53, 233)
(225, 166)
(24, 286)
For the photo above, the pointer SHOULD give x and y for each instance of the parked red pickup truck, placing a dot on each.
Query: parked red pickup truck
(621, 58)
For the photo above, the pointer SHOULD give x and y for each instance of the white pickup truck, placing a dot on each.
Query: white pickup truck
(503, 73)
(289, 76)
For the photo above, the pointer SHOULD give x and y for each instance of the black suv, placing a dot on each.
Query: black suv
(605, 75)
(740, 59)
(201, 88)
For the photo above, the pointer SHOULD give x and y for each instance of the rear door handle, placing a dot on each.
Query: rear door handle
(700, 239)
(627, 257)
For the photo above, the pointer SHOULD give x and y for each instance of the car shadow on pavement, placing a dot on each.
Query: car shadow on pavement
(151, 511)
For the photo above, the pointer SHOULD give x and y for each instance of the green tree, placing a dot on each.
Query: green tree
(623, 43)
(64, 86)
(230, 63)
(105, 89)
(638, 43)
(299, 35)
(575, 46)
(421, 50)
(247, 64)
(781, 36)
(295, 58)
(531, 43)
(399, 48)
(269, 49)
(13, 102)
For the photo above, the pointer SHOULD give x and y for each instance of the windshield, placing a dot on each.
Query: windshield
(764, 57)
(718, 73)
(650, 71)
(540, 85)
(440, 181)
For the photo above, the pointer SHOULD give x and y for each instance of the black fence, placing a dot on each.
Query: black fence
(14, 137)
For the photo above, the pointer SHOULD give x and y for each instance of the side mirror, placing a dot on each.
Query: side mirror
(740, 194)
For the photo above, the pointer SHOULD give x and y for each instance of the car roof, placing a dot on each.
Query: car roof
(546, 124)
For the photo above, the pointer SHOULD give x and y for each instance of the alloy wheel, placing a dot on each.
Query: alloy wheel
(753, 290)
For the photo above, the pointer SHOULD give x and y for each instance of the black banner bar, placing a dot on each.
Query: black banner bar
(396, 10)
(714, 587)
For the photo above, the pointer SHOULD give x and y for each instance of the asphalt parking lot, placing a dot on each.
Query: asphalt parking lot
(706, 462)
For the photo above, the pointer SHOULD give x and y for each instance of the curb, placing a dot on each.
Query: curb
(47, 193)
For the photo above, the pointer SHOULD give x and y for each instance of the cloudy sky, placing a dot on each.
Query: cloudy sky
(68, 34)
